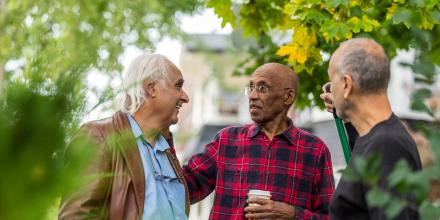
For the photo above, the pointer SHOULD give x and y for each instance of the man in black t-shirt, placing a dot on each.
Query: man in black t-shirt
(359, 72)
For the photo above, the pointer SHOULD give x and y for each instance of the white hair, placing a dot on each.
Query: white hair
(153, 67)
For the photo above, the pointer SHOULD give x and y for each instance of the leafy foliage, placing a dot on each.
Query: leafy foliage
(318, 26)
(47, 49)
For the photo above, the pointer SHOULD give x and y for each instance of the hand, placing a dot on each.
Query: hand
(327, 97)
(269, 209)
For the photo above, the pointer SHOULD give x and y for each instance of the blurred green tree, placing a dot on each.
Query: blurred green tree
(317, 27)
(47, 48)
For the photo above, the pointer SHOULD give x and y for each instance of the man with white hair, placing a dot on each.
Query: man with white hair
(137, 173)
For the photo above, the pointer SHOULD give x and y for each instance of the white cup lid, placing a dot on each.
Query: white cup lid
(257, 192)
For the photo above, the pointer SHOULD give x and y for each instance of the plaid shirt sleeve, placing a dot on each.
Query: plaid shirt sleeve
(201, 171)
(323, 185)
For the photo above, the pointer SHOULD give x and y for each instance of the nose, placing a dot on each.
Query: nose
(184, 97)
(253, 94)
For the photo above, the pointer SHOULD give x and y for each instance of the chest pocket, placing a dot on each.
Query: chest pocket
(295, 190)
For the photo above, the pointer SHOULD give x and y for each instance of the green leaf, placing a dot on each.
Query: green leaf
(402, 15)
(369, 24)
(418, 185)
(419, 98)
(417, 3)
(317, 16)
(436, 15)
(377, 197)
(428, 211)
(399, 174)
(223, 8)
(355, 24)
(335, 30)
(361, 165)
(349, 174)
(336, 3)
(394, 207)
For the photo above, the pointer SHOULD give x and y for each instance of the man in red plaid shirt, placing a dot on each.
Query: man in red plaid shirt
(270, 154)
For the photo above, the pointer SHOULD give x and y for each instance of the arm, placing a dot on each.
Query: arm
(201, 171)
(390, 155)
(88, 199)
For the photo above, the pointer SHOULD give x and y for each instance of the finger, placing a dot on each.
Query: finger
(254, 209)
(327, 97)
(258, 200)
(266, 215)
(329, 109)
(329, 105)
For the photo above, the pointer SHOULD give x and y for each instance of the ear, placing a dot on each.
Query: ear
(289, 97)
(150, 88)
(348, 85)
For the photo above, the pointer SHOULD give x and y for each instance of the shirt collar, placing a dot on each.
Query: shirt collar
(254, 129)
(161, 143)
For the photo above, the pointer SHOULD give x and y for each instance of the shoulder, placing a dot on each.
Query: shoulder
(393, 146)
(236, 130)
(391, 140)
(98, 130)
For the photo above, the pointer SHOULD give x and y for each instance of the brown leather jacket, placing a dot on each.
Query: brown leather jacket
(121, 194)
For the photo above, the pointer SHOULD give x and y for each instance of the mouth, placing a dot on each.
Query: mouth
(179, 105)
(254, 107)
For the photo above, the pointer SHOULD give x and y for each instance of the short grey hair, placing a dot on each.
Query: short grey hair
(153, 67)
(365, 60)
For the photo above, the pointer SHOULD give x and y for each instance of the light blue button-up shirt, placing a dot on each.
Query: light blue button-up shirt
(164, 194)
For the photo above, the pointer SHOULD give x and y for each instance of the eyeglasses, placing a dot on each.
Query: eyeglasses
(261, 89)
(157, 176)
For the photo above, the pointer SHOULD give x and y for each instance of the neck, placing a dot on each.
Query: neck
(149, 123)
(366, 112)
(275, 127)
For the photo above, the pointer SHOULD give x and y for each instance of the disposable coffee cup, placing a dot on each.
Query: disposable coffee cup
(255, 193)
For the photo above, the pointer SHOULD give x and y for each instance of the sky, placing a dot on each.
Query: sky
(205, 22)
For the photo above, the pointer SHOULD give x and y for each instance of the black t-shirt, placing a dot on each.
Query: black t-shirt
(392, 142)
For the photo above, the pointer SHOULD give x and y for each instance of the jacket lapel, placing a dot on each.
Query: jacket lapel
(128, 147)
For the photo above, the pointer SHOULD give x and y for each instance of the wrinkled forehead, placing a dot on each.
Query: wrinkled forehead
(266, 78)
(266, 74)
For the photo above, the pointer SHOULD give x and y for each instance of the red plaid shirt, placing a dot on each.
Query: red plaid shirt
(295, 167)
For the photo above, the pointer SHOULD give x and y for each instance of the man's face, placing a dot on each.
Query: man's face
(264, 107)
(337, 89)
(171, 96)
